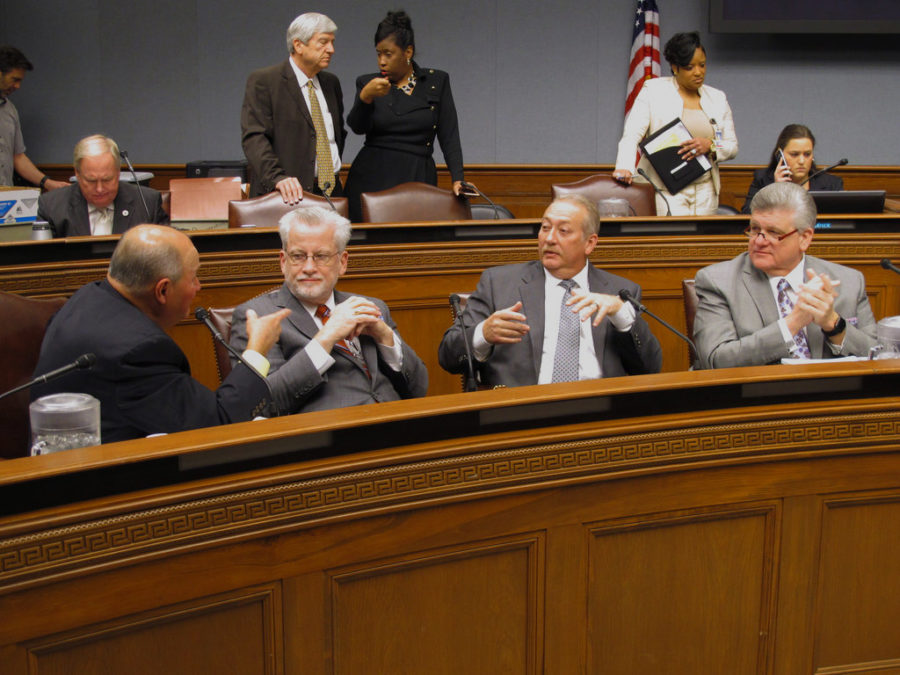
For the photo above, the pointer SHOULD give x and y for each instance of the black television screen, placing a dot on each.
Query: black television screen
(804, 16)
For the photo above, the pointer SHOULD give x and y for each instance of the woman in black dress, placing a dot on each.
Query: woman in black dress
(401, 110)
(797, 143)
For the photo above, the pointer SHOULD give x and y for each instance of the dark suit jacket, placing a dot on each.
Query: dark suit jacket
(66, 210)
(297, 384)
(141, 378)
(737, 317)
(277, 131)
(763, 177)
(624, 353)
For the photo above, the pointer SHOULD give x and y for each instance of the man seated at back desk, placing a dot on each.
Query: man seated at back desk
(556, 319)
(774, 301)
(99, 204)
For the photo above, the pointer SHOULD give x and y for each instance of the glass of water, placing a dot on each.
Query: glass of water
(63, 422)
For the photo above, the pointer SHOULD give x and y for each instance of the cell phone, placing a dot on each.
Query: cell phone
(783, 158)
(468, 190)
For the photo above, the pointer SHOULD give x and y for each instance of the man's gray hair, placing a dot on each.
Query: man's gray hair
(315, 216)
(787, 196)
(141, 259)
(91, 146)
(306, 25)
(591, 224)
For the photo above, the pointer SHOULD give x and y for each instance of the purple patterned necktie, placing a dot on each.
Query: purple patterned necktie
(785, 306)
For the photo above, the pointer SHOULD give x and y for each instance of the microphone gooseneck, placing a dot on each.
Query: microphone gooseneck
(202, 315)
(471, 382)
(888, 265)
(325, 189)
(83, 362)
(641, 309)
(658, 191)
(124, 155)
(841, 162)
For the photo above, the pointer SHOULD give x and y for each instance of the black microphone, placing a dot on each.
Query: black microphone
(472, 188)
(124, 155)
(202, 315)
(658, 191)
(888, 265)
(471, 382)
(627, 297)
(325, 189)
(82, 362)
(826, 170)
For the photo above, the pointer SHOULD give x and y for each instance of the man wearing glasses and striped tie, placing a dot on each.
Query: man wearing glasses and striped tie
(335, 349)
(774, 301)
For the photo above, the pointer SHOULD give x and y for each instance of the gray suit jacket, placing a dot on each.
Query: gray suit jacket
(296, 384)
(277, 131)
(737, 316)
(66, 210)
(630, 353)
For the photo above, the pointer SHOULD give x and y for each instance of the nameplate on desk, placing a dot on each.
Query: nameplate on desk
(551, 410)
(782, 388)
(255, 450)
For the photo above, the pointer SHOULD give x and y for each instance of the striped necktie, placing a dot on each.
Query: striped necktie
(323, 314)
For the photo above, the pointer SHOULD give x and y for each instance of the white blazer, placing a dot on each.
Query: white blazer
(658, 104)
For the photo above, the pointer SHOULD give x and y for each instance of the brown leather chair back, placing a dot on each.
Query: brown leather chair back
(221, 319)
(266, 211)
(689, 293)
(597, 187)
(413, 202)
(21, 333)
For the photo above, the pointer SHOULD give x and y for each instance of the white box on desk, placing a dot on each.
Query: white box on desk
(18, 204)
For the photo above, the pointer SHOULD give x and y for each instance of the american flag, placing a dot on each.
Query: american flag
(644, 49)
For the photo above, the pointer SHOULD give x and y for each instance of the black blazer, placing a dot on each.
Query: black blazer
(141, 378)
(277, 131)
(66, 210)
(763, 177)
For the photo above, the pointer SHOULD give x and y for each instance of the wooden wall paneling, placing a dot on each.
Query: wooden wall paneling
(702, 578)
(239, 632)
(858, 596)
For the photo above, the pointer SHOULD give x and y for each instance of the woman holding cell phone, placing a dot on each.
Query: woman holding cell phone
(792, 160)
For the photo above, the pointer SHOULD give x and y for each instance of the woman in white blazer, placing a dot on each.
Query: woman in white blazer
(705, 112)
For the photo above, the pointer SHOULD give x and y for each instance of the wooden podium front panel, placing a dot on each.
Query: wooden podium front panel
(702, 578)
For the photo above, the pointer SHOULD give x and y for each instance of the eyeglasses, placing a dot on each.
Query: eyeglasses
(754, 232)
(319, 259)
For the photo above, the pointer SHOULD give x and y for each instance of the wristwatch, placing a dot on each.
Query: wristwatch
(44, 180)
(839, 326)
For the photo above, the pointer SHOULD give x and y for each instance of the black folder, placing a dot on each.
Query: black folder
(673, 171)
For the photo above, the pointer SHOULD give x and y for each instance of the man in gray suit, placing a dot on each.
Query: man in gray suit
(776, 302)
(99, 204)
(292, 141)
(529, 324)
(335, 349)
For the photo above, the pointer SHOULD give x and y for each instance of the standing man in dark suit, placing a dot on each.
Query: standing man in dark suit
(774, 301)
(99, 204)
(335, 349)
(555, 319)
(141, 377)
(293, 142)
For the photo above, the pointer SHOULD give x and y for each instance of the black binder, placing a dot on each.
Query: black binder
(673, 171)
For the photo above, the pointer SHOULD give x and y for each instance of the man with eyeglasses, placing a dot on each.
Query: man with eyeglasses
(776, 302)
(335, 349)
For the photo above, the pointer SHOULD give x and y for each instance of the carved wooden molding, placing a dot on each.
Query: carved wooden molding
(36, 556)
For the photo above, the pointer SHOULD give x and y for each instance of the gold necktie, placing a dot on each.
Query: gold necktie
(323, 147)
